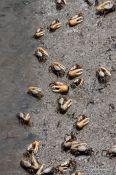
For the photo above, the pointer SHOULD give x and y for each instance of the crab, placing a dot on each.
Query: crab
(68, 142)
(59, 87)
(60, 4)
(77, 19)
(75, 71)
(41, 54)
(81, 149)
(39, 33)
(103, 74)
(111, 152)
(105, 7)
(75, 147)
(77, 83)
(70, 164)
(34, 146)
(24, 118)
(55, 25)
(35, 91)
(30, 163)
(64, 104)
(57, 68)
(81, 122)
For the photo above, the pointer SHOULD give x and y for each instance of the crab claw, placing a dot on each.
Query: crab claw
(64, 104)
(75, 71)
(39, 33)
(81, 149)
(82, 121)
(69, 141)
(35, 164)
(30, 163)
(77, 19)
(55, 25)
(40, 171)
(59, 87)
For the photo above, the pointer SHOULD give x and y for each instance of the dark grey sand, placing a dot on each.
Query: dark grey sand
(92, 44)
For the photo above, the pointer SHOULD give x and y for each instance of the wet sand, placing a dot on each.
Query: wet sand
(92, 44)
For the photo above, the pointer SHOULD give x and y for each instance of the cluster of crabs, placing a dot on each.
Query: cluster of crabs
(31, 164)
(29, 160)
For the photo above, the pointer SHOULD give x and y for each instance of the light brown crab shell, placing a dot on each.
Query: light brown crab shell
(43, 51)
(35, 91)
(103, 74)
(58, 69)
(64, 89)
(57, 66)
